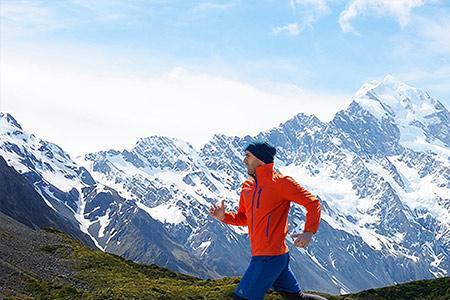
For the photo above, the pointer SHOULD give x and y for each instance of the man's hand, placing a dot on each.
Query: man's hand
(302, 239)
(218, 211)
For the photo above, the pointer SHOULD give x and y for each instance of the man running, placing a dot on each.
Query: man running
(263, 207)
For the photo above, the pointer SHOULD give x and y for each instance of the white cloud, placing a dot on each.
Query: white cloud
(435, 32)
(399, 9)
(28, 17)
(442, 72)
(427, 37)
(319, 6)
(21, 17)
(292, 29)
(204, 7)
(88, 109)
(306, 13)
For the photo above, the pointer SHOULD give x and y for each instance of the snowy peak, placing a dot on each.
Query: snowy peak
(300, 121)
(149, 155)
(419, 118)
(8, 122)
(163, 152)
(30, 155)
(150, 144)
(390, 82)
(394, 82)
(391, 97)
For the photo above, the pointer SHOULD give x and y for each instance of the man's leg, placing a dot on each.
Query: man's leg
(259, 277)
(286, 281)
(287, 286)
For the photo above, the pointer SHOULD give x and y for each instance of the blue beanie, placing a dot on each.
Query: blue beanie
(262, 150)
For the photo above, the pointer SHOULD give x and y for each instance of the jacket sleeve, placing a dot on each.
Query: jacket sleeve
(239, 218)
(292, 191)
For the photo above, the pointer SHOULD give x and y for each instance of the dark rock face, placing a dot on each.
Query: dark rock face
(20, 201)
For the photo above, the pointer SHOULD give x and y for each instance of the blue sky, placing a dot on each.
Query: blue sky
(109, 72)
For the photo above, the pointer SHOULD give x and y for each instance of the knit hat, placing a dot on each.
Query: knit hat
(263, 151)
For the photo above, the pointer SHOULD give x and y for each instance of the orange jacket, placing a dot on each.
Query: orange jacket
(264, 206)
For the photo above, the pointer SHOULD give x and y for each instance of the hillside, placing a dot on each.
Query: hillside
(49, 264)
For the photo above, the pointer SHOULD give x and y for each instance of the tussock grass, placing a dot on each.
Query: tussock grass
(100, 275)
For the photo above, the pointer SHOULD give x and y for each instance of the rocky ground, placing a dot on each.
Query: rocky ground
(26, 254)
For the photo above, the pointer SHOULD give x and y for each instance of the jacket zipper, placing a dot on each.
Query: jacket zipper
(259, 197)
(268, 225)
(253, 198)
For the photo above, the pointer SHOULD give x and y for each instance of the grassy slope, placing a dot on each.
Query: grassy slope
(104, 276)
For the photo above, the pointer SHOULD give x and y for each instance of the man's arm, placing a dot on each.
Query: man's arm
(292, 191)
(238, 219)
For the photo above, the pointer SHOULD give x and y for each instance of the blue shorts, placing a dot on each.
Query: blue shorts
(265, 272)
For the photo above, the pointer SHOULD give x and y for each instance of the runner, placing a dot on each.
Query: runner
(263, 207)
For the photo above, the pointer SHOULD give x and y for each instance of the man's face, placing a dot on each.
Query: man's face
(251, 162)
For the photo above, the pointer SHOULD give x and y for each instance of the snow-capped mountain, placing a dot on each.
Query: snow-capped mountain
(113, 223)
(381, 168)
(171, 182)
(46, 166)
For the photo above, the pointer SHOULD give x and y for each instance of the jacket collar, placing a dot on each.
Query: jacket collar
(265, 170)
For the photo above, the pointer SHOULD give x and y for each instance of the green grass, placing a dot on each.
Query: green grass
(434, 289)
(40, 289)
(101, 275)
(108, 276)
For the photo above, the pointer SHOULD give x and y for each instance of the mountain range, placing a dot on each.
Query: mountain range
(381, 168)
